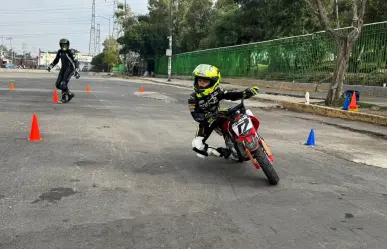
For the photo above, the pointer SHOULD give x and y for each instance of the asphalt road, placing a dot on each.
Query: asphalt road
(116, 170)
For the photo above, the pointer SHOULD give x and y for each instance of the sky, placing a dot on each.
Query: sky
(42, 23)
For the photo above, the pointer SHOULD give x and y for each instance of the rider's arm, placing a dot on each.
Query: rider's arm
(197, 114)
(231, 95)
(247, 93)
(56, 60)
(72, 57)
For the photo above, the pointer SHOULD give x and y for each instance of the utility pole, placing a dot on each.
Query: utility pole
(92, 32)
(98, 39)
(114, 19)
(169, 51)
(10, 43)
(24, 49)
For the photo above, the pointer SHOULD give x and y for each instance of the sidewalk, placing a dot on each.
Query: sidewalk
(296, 102)
(372, 100)
(262, 95)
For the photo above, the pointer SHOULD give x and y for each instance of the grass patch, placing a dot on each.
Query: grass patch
(368, 105)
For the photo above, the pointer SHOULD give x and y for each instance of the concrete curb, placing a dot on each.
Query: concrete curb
(334, 113)
(292, 86)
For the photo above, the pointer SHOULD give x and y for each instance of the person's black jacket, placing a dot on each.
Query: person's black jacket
(199, 107)
(67, 58)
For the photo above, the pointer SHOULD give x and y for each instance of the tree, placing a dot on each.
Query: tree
(195, 24)
(111, 53)
(344, 42)
(99, 63)
(108, 58)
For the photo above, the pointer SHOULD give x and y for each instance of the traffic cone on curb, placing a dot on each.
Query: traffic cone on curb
(11, 86)
(142, 89)
(35, 133)
(353, 106)
(88, 88)
(346, 103)
(55, 97)
(311, 140)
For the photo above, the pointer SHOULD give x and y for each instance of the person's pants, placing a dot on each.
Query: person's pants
(204, 129)
(63, 79)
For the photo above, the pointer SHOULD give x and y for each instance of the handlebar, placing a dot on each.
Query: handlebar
(237, 107)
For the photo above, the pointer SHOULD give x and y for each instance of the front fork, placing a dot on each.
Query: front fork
(265, 148)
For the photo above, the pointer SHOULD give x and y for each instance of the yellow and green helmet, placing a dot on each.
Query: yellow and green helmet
(208, 72)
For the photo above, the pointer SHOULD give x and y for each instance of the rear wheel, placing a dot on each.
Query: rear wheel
(264, 162)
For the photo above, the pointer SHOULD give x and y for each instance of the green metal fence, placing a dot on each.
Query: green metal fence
(120, 68)
(306, 58)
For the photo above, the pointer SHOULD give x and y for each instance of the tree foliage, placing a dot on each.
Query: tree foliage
(204, 24)
(108, 58)
(200, 24)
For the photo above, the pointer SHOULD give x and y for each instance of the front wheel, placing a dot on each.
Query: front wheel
(264, 162)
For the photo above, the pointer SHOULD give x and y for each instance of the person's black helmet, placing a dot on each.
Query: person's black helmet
(63, 42)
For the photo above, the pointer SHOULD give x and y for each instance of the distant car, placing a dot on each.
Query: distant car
(9, 65)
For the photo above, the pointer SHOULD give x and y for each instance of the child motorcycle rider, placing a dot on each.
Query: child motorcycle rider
(70, 66)
(204, 105)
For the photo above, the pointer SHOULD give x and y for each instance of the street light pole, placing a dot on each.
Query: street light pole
(106, 19)
(170, 41)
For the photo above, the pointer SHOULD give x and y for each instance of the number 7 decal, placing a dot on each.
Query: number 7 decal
(241, 127)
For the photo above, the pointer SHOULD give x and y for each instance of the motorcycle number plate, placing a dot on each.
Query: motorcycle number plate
(242, 125)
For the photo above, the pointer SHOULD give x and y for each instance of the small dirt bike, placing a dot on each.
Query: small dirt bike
(240, 132)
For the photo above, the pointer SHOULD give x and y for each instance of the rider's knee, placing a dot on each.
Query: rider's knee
(62, 85)
(197, 143)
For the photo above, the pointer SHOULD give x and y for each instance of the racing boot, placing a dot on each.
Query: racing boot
(227, 153)
(64, 98)
(70, 96)
(224, 152)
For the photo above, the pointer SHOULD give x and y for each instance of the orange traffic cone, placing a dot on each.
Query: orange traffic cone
(353, 106)
(55, 97)
(34, 133)
(11, 86)
(88, 88)
(142, 89)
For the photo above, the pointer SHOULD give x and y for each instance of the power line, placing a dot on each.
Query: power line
(46, 12)
(50, 33)
(42, 22)
(69, 8)
(64, 6)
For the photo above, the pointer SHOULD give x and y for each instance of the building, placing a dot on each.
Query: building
(46, 57)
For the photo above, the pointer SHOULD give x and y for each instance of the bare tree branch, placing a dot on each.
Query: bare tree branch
(357, 21)
(362, 13)
(319, 10)
(312, 7)
(355, 18)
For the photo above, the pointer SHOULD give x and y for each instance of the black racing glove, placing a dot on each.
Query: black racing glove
(249, 92)
(77, 75)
